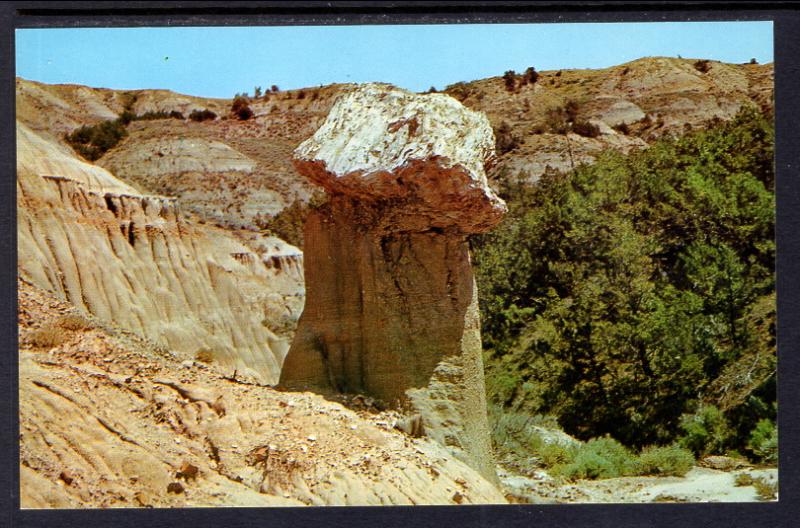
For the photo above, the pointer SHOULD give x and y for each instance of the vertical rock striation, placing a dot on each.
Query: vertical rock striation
(133, 261)
(391, 308)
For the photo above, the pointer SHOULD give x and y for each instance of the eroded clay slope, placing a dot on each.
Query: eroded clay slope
(38, 155)
(212, 178)
(58, 108)
(136, 261)
(231, 172)
(631, 104)
(108, 421)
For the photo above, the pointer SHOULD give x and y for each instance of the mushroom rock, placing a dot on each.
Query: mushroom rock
(391, 303)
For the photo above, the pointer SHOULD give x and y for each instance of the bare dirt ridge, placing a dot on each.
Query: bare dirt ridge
(631, 104)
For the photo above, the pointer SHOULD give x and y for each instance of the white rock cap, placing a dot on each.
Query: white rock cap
(427, 150)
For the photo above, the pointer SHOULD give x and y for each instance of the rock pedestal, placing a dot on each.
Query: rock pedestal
(391, 308)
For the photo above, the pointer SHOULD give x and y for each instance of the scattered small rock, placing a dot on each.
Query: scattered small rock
(187, 471)
(411, 425)
(66, 477)
(669, 498)
(142, 499)
(175, 487)
(458, 498)
(723, 463)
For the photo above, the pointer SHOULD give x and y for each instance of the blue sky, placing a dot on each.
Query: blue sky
(221, 61)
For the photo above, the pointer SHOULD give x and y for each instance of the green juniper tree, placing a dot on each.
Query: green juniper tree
(625, 295)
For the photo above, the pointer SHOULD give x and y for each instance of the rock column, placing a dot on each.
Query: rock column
(391, 308)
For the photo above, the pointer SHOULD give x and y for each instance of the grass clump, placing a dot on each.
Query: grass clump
(602, 458)
(599, 458)
(530, 76)
(202, 115)
(505, 139)
(669, 498)
(460, 91)
(73, 322)
(664, 461)
(766, 490)
(92, 141)
(556, 454)
(289, 223)
(622, 128)
(530, 442)
(703, 66)
(764, 441)
(204, 355)
(706, 431)
(524, 442)
(151, 116)
(510, 80)
(48, 336)
(241, 108)
(586, 129)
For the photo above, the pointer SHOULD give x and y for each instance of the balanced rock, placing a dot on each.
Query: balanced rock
(391, 308)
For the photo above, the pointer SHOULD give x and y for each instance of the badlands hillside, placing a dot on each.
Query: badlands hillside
(157, 303)
(238, 173)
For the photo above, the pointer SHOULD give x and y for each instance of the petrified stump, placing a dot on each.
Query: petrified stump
(391, 307)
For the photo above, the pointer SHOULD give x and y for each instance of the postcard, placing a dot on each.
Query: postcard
(351, 265)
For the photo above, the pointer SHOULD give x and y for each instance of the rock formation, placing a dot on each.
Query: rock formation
(135, 261)
(391, 308)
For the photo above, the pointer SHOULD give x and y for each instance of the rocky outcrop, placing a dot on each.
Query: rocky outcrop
(135, 261)
(391, 307)
(637, 103)
(228, 181)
